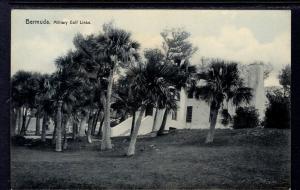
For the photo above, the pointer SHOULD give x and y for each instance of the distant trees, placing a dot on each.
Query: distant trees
(25, 90)
(285, 79)
(278, 112)
(219, 85)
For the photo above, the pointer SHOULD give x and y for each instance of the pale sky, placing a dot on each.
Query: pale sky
(240, 35)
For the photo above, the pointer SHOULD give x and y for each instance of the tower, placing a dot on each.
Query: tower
(255, 80)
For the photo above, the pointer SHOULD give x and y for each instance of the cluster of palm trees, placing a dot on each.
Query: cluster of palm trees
(106, 72)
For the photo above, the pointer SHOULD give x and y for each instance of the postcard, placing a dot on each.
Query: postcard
(150, 98)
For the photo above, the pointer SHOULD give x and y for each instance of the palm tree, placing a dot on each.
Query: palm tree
(147, 86)
(125, 101)
(221, 84)
(68, 81)
(24, 89)
(110, 51)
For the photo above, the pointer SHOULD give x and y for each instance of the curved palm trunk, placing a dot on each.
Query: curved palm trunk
(164, 121)
(132, 122)
(154, 120)
(213, 120)
(106, 141)
(38, 125)
(44, 127)
(131, 148)
(95, 121)
(58, 147)
(100, 127)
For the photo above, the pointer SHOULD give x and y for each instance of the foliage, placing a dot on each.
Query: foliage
(149, 83)
(25, 86)
(226, 117)
(246, 117)
(278, 112)
(285, 79)
(222, 83)
(177, 51)
(219, 84)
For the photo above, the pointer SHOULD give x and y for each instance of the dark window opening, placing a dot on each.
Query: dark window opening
(190, 95)
(149, 110)
(174, 115)
(189, 112)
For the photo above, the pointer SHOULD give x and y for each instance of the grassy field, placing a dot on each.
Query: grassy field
(238, 159)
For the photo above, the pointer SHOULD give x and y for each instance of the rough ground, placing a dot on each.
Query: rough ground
(238, 159)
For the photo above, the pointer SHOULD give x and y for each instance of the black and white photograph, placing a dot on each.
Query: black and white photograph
(150, 99)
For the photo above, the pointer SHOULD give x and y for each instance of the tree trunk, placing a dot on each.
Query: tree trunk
(54, 133)
(23, 128)
(164, 121)
(95, 121)
(19, 118)
(38, 125)
(90, 125)
(75, 130)
(100, 127)
(13, 121)
(154, 120)
(131, 148)
(44, 127)
(65, 125)
(106, 141)
(58, 147)
(132, 122)
(213, 120)
(81, 124)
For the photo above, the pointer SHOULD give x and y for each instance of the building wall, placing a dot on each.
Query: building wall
(253, 78)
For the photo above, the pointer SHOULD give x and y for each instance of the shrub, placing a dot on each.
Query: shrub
(246, 117)
(226, 117)
(278, 110)
(18, 140)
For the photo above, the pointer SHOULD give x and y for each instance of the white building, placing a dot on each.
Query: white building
(193, 113)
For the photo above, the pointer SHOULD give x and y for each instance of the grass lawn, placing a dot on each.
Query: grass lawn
(238, 159)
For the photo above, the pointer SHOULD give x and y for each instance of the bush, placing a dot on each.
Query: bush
(226, 117)
(278, 113)
(246, 117)
(18, 140)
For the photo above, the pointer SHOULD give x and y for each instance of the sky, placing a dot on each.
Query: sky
(245, 36)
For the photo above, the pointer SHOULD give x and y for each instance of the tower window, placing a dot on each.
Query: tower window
(189, 112)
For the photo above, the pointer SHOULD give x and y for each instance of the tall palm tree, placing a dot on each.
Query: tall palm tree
(67, 82)
(24, 89)
(147, 85)
(125, 100)
(109, 50)
(221, 84)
